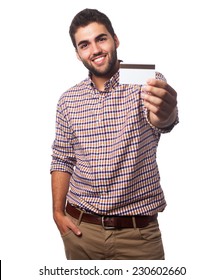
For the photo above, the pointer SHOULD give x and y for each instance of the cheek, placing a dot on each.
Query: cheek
(83, 55)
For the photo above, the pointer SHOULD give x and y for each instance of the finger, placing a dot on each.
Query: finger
(67, 224)
(156, 100)
(153, 93)
(160, 92)
(158, 112)
(75, 229)
(161, 84)
(161, 104)
(158, 96)
(157, 105)
(156, 91)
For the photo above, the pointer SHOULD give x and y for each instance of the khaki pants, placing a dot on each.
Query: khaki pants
(96, 243)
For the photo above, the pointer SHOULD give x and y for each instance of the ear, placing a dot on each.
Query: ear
(77, 55)
(116, 40)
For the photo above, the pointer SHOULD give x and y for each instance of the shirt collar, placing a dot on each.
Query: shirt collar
(110, 84)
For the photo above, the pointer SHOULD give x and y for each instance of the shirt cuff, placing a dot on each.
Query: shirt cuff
(164, 129)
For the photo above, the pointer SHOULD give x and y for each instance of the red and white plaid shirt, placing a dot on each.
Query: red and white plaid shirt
(105, 141)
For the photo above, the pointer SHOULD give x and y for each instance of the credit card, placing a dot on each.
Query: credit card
(136, 73)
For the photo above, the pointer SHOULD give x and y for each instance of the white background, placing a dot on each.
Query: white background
(38, 63)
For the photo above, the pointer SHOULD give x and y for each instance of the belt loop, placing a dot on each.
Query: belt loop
(134, 222)
(80, 217)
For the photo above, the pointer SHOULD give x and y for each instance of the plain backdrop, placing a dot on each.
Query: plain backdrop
(38, 63)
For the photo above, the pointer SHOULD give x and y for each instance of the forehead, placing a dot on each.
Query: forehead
(90, 32)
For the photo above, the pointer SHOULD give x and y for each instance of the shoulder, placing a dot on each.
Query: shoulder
(72, 93)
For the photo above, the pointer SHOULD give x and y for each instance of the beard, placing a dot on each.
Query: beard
(108, 71)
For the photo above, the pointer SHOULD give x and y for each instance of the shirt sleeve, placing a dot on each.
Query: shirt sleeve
(63, 156)
(160, 76)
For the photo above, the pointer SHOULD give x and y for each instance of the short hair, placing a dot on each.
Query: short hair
(87, 16)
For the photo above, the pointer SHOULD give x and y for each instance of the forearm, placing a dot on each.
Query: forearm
(60, 185)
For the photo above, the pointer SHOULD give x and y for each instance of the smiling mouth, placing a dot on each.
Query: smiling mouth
(99, 59)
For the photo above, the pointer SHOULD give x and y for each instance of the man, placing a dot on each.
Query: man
(105, 180)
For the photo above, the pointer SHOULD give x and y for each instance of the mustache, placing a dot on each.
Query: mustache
(97, 54)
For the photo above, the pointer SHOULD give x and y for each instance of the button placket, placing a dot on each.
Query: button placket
(101, 149)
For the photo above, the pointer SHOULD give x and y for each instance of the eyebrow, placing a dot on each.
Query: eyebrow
(97, 37)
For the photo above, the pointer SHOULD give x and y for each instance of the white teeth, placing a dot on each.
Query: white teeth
(99, 59)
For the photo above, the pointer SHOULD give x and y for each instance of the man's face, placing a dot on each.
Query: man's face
(96, 48)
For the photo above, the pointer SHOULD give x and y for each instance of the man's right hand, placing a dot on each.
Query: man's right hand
(64, 224)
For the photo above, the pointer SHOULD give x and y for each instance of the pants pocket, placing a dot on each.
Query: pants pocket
(66, 234)
(151, 232)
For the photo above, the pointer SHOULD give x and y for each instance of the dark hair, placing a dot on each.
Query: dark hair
(86, 17)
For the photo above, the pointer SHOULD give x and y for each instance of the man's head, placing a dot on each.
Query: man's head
(95, 42)
(86, 17)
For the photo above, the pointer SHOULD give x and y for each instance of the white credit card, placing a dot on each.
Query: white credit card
(136, 73)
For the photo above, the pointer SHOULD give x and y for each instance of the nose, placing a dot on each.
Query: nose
(96, 48)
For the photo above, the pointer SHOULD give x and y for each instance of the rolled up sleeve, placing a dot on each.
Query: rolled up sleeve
(63, 156)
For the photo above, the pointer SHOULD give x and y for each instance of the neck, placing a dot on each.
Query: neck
(100, 81)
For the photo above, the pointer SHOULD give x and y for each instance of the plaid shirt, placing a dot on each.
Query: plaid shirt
(105, 141)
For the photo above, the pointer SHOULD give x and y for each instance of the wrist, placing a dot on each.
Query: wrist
(57, 214)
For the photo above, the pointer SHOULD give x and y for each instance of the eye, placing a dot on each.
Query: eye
(101, 39)
(83, 46)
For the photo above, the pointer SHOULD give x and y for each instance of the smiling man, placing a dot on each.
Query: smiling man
(105, 179)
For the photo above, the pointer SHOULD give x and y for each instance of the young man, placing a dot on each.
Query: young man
(105, 180)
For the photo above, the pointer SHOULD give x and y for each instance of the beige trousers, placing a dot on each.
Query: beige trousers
(97, 243)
